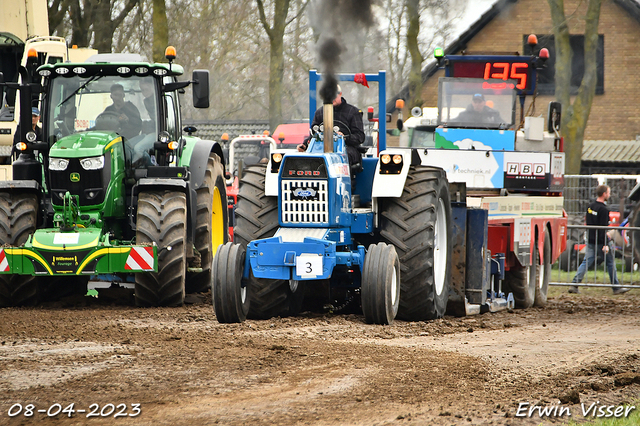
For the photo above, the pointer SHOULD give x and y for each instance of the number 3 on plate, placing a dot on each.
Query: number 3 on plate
(308, 265)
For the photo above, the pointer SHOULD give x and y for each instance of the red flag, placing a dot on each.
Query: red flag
(360, 78)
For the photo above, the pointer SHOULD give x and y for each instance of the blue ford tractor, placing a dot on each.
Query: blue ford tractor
(311, 223)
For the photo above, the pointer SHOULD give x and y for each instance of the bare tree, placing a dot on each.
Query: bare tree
(160, 30)
(92, 22)
(575, 116)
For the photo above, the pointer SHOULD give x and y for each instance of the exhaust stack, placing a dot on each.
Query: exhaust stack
(328, 126)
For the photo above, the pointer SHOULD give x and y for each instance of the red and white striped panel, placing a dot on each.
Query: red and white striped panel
(4, 263)
(140, 259)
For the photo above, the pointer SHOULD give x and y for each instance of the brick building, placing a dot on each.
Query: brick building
(615, 113)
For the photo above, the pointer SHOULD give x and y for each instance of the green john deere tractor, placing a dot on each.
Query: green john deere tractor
(114, 190)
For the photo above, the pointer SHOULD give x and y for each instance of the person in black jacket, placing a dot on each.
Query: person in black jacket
(126, 113)
(597, 247)
(349, 120)
(35, 118)
(479, 113)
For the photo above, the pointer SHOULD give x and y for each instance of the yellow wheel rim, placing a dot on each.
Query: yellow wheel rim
(217, 221)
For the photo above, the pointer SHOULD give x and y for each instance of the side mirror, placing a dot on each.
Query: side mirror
(200, 88)
(554, 116)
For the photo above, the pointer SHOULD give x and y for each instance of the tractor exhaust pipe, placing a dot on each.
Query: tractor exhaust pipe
(328, 126)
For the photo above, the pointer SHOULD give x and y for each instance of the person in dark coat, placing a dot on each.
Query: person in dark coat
(127, 113)
(478, 112)
(349, 120)
(35, 118)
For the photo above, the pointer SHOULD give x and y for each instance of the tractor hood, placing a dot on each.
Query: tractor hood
(85, 144)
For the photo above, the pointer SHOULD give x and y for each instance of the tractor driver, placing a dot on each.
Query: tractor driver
(349, 120)
(127, 113)
(479, 112)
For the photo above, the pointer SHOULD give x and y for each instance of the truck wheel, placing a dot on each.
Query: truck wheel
(521, 281)
(257, 218)
(230, 298)
(418, 224)
(380, 292)
(162, 219)
(543, 271)
(18, 216)
(212, 223)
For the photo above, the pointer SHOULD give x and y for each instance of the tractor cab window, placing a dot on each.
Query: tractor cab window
(103, 102)
(476, 103)
(423, 137)
(172, 125)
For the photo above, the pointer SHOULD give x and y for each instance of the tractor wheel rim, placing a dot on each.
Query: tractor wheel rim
(243, 294)
(394, 286)
(217, 221)
(440, 247)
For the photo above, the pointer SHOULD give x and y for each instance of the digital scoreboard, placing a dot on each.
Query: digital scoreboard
(522, 69)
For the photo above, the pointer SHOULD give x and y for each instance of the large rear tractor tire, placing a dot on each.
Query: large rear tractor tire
(229, 293)
(257, 218)
(543, 272)
(18, 218)
(418, 224)
(212, 223)
(380, 292)
(162, 219)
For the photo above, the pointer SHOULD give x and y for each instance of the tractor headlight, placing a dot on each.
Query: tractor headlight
(164, 137)
(31, 136)
(58, 164)
(276, 161)
(391, 164)
(92, 163)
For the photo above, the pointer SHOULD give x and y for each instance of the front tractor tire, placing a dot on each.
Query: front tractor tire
(212, 223)
(229, 293)
(162, 219)
(380, 292)
(18, 216)
(257, 218)
(418, 224)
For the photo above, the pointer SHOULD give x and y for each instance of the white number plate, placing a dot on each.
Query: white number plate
(308, 265)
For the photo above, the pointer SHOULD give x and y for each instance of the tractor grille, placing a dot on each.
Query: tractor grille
(305, 201)
(90, 185)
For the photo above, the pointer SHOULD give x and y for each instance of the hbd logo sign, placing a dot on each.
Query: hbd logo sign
(526, 169)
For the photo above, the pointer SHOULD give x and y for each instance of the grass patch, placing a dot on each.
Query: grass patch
(600, 276)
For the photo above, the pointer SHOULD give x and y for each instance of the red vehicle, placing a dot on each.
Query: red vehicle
(291, 135)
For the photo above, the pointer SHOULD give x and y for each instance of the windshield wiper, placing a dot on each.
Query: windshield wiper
(92, 79)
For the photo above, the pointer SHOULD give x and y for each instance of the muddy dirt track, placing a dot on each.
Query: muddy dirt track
(183, 368)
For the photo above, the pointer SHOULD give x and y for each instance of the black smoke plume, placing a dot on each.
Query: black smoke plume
(338, 23)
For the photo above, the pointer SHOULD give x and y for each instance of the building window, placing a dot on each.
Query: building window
(546, 76)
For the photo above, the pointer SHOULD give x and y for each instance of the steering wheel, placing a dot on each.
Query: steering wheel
(108, 120)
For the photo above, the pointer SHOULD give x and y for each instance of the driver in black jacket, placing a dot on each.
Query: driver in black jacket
(349, 120)
(127, 113)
